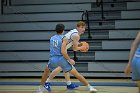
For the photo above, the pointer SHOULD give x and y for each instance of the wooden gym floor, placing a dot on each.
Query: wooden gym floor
(62, 89)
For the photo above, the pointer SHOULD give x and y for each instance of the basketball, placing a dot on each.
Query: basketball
(85, 44)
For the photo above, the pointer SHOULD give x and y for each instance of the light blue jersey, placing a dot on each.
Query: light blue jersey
(56, 57)
(135, 64)
(55, 45)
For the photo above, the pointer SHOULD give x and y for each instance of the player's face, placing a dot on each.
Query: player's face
(81, 29)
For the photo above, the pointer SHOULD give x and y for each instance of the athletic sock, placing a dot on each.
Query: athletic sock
(48, 80)
(68, 82)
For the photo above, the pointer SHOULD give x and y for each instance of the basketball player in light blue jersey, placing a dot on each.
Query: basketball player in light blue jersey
(134, 61)
(56, 57)
(54, 63)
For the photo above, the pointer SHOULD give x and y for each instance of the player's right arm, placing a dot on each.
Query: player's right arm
(64, 51)
(134, 46)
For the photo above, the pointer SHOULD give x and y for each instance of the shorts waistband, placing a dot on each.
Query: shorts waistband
(56, 55)
(137, 55)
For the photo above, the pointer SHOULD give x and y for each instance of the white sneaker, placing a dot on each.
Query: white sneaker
(40, 89)
(92, 90)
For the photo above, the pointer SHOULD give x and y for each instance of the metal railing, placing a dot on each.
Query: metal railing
(75, 57)
(2, 4)
(5, 3)
(86, 15)
(101, 3)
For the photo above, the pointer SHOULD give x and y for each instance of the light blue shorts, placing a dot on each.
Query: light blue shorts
(135, 68)
(56, 61)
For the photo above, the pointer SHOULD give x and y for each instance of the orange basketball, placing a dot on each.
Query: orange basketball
(86, 46)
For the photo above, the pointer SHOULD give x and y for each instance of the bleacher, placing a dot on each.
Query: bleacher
(27, 25)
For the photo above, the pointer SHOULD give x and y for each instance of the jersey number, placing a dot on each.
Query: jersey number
(55, 43)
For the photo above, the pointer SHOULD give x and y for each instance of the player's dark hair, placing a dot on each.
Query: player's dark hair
(59, 28)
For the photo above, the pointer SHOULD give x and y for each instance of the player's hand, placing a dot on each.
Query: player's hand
(127, 70)
(84, 48)
(71, 61)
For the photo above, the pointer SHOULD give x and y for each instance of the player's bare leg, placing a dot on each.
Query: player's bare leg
(45, 75)
(43, 79)
(82, 80)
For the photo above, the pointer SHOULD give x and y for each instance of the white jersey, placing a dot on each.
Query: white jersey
(68, 36)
